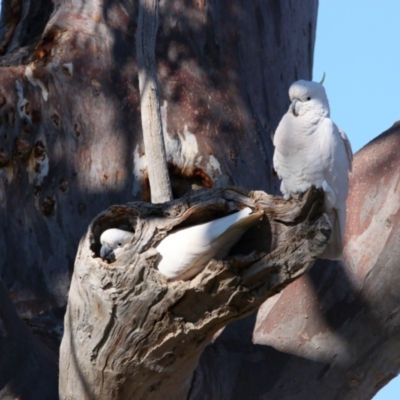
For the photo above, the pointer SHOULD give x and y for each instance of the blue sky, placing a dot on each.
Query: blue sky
(358, 48)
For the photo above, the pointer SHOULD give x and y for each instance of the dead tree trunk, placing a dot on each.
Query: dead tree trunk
(129, 334)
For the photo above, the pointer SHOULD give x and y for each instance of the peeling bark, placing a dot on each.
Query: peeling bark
(146, 336)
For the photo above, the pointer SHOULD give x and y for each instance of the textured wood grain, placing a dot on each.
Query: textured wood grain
(332, 334)
(157, 169)
(131, 334)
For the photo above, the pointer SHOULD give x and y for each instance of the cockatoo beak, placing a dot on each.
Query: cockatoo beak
(293, 107)
(107, 253)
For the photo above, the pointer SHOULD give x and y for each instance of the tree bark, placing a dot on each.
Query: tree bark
(115, 347)
(333, 333)
(28, 369)
(160, 186)
(70, 117)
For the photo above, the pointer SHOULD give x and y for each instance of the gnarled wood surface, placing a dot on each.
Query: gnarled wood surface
(333, 334)
(131, 334)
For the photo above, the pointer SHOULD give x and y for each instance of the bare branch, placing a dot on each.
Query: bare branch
(160, 185)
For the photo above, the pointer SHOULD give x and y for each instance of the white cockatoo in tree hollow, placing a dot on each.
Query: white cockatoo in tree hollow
(310, 150)
(186, 252)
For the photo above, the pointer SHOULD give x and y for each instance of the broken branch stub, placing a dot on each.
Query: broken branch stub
(131, 334)
(153, 138)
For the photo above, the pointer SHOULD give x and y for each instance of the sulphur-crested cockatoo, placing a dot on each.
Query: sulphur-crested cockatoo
(310, 150)
(185, 252)
(112, 243)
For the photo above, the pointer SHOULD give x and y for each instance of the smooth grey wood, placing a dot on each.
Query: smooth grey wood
(160, 186)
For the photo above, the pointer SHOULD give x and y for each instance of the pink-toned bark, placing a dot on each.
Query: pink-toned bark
(333, 333)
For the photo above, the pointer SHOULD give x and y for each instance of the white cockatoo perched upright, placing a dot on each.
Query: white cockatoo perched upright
(310, 150)
(186, 252)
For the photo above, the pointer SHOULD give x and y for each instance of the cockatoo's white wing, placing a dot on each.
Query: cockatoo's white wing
(336, 156)
(347, 145)
(187, 251)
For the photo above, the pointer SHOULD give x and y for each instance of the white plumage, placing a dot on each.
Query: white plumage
(185, 252)
(310, 150)
(113, 242)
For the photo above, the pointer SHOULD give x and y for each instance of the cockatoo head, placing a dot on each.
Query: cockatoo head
(308, 96)
(112, 241)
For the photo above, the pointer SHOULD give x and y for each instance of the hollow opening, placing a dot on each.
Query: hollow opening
(182, 182)
(119, 217)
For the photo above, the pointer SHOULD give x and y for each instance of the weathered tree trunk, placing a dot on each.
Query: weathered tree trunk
(334, 333)
(71, 146)
(129, 334)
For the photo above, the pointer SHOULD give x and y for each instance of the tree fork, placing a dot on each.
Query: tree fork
(129, 333)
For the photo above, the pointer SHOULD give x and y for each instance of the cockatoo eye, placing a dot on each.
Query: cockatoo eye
(119, 244)
(308, 98)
